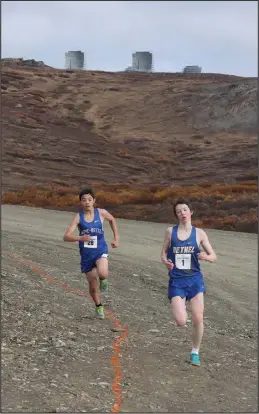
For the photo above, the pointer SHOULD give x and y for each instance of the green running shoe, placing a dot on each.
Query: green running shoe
(99, 312)
(195, 360)
(103, 285)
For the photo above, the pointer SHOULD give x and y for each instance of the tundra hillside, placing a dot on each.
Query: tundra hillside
(141, 140)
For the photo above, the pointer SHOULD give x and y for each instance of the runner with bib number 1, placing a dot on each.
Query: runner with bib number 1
(181, 254)
(92, 245)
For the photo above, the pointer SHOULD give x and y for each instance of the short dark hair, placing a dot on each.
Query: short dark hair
(86, 191)
(181, 201)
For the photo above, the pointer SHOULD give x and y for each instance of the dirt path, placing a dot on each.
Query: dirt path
(57, 357)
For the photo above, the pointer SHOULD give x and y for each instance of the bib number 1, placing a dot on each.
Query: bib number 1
(92, 243)
(183, 261)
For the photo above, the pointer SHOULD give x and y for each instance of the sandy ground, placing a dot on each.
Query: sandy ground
(56, 357)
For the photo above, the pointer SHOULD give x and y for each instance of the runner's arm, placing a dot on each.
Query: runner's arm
(68, 234)
(166, 244)
(210, 255)
(106, 215)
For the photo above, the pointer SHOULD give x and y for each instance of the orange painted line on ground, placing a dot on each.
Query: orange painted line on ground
(117, 325)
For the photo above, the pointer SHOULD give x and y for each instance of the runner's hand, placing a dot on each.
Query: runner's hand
(85, 238)
(169, 264)
(202, 256)
(114, 244)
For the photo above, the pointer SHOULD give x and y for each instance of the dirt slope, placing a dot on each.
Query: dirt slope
(117, 127)
(58, 358)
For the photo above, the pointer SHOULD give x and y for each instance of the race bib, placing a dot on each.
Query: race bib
(183, 261)
(92, 243)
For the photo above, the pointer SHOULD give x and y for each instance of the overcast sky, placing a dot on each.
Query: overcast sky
(219, 36)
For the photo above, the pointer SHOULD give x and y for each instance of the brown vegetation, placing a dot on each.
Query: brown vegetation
(140, 139)
(221, 206)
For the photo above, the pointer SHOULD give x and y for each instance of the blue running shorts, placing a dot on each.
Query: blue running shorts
(186, 287)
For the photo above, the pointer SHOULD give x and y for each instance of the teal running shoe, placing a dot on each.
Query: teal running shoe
(195, 360)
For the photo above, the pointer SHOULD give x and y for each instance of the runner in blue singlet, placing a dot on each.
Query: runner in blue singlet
(92, 245)
(181, 254)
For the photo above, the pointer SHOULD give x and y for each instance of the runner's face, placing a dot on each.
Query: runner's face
(87, 201)
(183, 213)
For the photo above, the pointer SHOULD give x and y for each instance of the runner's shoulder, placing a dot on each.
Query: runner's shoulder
(77, 217)
(102, 211)
(75, 220)
(169, 229)
(200, 232)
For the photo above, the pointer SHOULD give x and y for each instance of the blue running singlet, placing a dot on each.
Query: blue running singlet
(186, 279)
(96, 247)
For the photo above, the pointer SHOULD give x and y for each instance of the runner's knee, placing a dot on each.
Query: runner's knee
(197, 318)
(179, 311)
(103, 273)
(102, 269)
(180, 320)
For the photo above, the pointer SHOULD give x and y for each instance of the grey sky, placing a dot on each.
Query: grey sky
(219, 36)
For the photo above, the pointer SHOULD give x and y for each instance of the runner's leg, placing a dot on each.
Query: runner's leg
(102, 269)
(179, 310)
(197, 309)
(93, 289)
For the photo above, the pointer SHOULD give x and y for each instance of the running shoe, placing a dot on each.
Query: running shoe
(103, 285)
(99, 312)
(195, 359)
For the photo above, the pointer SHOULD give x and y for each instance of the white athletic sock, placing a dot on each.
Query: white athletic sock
(195, 351)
